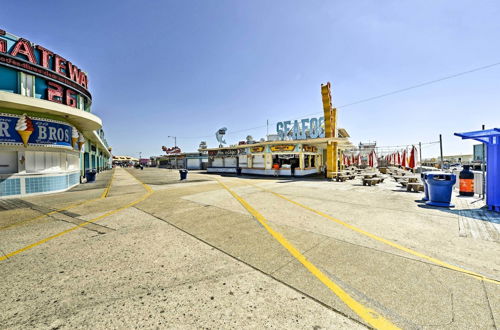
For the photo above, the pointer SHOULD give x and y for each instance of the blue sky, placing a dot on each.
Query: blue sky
(187, 68)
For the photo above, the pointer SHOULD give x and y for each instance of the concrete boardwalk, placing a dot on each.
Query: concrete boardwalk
(190, 255)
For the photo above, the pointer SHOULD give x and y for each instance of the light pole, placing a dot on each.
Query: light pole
(175, 145)
(175, 140)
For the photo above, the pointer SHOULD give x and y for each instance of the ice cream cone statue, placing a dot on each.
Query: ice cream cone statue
(25, 128)
(74, 137)
(81, 141)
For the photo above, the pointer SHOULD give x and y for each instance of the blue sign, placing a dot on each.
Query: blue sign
(43, 132)
(309, 128)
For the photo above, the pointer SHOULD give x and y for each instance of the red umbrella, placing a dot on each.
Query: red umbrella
(398, 156)
(359, 162)
(352, 159)
(403, 161)
(370, 159)
(413, 160)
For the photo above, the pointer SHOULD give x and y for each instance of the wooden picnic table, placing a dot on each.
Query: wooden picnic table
(415, 186)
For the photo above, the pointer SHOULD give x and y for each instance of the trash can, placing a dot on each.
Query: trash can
(440, 186)
(238, 171)
(423, 176)
(183, 174)
(90, 175)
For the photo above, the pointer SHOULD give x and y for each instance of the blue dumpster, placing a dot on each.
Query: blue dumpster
(440, 186)
(423, 176)
(90, 175)
(183, 174)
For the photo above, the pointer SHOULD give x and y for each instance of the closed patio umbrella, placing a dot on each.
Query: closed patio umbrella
(403, 159)
(413, 158)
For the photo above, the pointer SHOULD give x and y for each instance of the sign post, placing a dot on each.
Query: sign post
(330, 130)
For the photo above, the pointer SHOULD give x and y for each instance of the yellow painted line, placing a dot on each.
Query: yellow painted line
(103, 195)
(108, 186)
(107, 214)
(383, 240)
(369, 315)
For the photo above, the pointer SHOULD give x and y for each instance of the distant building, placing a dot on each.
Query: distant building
(366, 148)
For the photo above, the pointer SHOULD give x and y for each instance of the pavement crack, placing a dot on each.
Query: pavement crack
(489, 305)
(450, 292)
(257, 269)
(303, 252)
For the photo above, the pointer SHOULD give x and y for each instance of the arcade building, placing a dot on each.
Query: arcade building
(48, 136)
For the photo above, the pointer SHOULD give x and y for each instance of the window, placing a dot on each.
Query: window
(258, 161)
(27, 84)
(81, 103)
(243, 160)
(46, 162)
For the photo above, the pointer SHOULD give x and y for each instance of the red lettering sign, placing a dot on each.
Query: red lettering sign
(23, 47)
(70, 98)
(74, 72)
(3, 46)
(54, 94)
(44, 56)
(59, 64)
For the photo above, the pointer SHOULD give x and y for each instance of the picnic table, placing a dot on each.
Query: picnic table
(371, 181)
(415, 186)
(399, 178)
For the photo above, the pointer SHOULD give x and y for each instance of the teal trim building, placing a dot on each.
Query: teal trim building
(49, 137)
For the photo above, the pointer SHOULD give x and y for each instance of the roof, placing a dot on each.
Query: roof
(344, 143)
(485, 136)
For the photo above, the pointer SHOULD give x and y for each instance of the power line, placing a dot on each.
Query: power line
(371, 98)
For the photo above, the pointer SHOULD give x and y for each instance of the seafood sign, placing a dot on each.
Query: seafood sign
(24, 130)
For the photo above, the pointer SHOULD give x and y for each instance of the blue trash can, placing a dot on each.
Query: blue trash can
(440, 186)
(90, 175)
(183, 174)
(423, 176)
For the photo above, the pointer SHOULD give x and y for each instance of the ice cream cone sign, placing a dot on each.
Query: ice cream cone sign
(74, 137)
(24, 128)
(81, 141)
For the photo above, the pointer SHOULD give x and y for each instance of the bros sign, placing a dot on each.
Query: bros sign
(309, 128)
(64, 79)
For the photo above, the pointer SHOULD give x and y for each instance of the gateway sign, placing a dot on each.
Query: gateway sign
(309, 128)
(64, 79)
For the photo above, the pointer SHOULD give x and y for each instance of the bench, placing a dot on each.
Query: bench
(370, 181)
(342, 178)
(413, 179)
(415, 186)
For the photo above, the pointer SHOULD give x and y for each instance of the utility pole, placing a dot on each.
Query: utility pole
(483, 169)
(267, 126)
(441, 150)
(420, 152)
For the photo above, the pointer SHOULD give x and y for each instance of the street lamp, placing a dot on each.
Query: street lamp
(175, 145)
(175, 140)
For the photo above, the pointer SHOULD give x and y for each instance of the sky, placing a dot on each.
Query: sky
(187, 68)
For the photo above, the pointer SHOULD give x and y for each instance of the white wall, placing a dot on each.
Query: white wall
(8, 162)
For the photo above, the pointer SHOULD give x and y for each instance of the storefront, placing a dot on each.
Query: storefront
(48, 136)
(187, 160)
(300, 147)
(298, 158)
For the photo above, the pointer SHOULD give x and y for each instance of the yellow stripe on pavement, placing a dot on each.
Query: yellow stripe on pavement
(107, 214)
(369, 315)
(103, 195)
(383, 240)
(108, 186)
